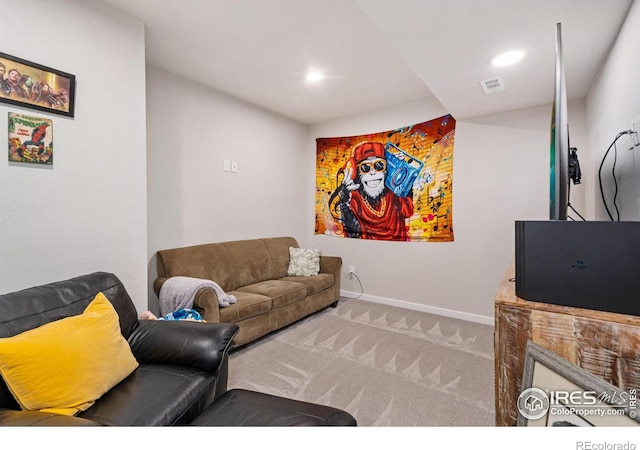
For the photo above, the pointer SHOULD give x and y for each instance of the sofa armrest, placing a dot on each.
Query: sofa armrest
(331, 264)
(205, 301)
(157, 284)
(183, 342)
(207, 304)
(11, 418)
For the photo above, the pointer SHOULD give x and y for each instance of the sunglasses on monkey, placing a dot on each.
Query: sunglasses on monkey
(377, 164)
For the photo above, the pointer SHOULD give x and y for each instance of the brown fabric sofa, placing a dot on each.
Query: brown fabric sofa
(255, 271)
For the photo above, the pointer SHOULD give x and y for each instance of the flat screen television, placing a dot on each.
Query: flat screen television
(559, 151)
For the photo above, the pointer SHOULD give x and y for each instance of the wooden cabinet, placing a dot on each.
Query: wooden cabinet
(605, 344)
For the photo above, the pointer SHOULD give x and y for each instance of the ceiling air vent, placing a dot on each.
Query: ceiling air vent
(493, 85)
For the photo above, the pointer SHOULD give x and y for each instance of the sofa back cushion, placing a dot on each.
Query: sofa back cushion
(256, 260)
(230, 264)
(30, 308)
(206, 261)
(278, 249)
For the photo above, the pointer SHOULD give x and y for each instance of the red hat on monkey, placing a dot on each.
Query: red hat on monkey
(366, 150)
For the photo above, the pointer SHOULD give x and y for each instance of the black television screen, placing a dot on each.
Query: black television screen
(559, 154)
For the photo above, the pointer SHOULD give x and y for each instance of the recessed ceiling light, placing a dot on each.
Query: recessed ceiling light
(508, 58)
(314, 77)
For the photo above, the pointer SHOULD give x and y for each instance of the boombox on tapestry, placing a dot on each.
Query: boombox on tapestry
(395, 185)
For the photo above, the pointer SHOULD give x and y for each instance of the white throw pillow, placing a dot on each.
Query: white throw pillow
(303, 262)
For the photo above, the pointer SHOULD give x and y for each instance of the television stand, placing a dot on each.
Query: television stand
(605, 344)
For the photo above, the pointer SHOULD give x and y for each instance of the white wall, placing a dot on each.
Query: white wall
(501, 174)
(87, 212)
(191, 131)
(613, 104)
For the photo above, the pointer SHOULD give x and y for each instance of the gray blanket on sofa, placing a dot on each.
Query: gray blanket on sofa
(179, 293)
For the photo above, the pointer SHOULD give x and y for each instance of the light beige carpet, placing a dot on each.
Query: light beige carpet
(387, 366)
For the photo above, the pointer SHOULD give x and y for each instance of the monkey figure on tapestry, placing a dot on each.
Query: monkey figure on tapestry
(368, 208)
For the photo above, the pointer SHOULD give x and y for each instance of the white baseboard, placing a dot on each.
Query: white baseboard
(419, 307)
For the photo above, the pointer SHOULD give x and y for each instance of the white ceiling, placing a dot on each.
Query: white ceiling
(378, 53)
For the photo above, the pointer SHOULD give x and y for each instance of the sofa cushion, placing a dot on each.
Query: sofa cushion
(29, 308)
(65, 365)
(281, 292)
(248, 305)
(313, 284)
(250, 262)
(278, 249)
(155, 395)
(206, 261)
(240, 407)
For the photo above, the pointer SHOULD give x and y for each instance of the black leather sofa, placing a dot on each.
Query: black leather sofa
(182, 369)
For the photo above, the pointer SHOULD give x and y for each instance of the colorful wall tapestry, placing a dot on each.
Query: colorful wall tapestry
(394, 185)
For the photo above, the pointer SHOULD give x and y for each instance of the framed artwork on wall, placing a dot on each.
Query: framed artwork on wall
(31, 85)
(557, 393)
(30, 139)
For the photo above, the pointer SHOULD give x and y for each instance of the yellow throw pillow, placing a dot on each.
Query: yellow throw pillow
(66, 365)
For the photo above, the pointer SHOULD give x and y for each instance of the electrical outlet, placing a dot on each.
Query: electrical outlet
(352, 270)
